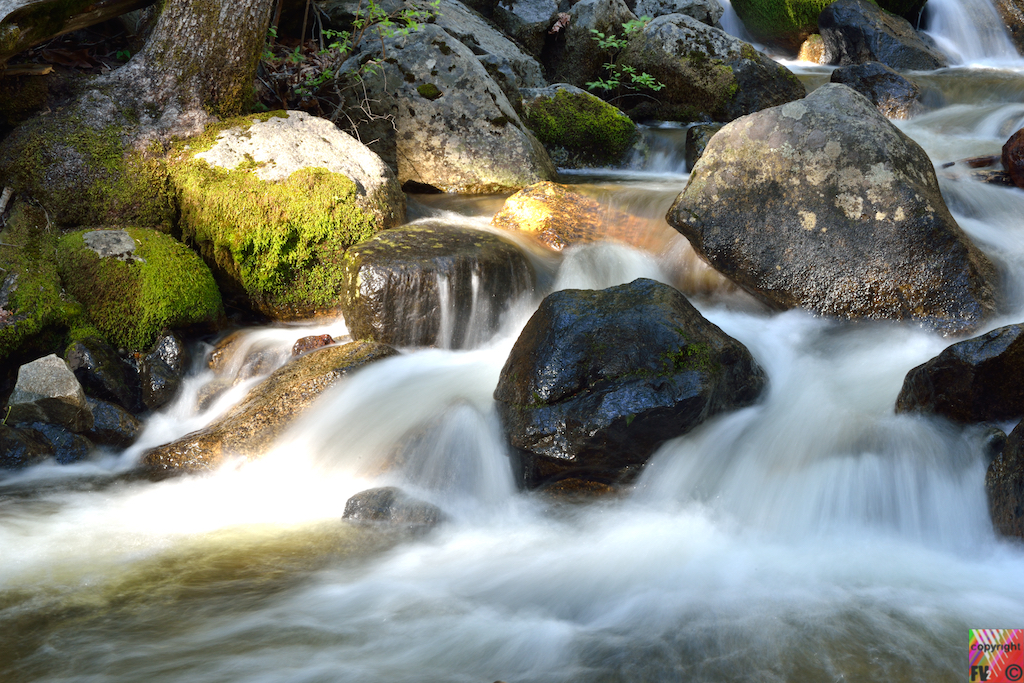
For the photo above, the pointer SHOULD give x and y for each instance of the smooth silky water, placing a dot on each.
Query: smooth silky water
(813, 537)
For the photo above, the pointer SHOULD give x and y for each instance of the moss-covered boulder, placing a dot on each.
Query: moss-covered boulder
(272, 202)
(787, 23)
(36, 315)
(577, 128)
(249, 429)
(707, 73)
(135, 282)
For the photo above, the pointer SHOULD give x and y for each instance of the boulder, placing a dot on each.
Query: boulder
(423, 285)
(894, 95)
(573, 56)
(527, 21)
(705, 11)
(307, 344)
(66, 447)
(1013, 157)
(112, 425)
(558, 216)
(697, 138)
(598, 379)
(1004, 486)
(104, 374)
(249, 429)
(272, 201)
(22, 447)
(47, 391)
(824, 204)
(440, 120)
(577, 128)
(707, 73)
(135, 282)
(858, 31)
(163, 370)
(977, 380)
(391, 505)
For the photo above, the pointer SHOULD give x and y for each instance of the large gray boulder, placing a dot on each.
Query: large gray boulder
(705, 11)
(857, 31)
(824, 204)
(48, 391)
(573, 56)
(440, 120)
(598, 379)
(976, 380)
(527, 21)
(707, 73)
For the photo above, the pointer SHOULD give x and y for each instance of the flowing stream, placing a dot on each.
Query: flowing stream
(813, 537)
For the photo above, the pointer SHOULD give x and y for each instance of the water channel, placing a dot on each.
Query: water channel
(813, 537)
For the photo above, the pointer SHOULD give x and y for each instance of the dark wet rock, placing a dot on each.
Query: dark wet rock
(977, 380)
(104, 374)
(391, 505)
(249, 429)
(1004, 484)
(312, 342)
(163, 370)
(705, 11)
(577, 128)
(66, 447)
(697, 138)
(558, 217)
(573, 490)
(402, 286)
(824, 204)
(1013, 157)
(22, 447)
(574, 56)
(858, 31)
(440, 120)
(599, 379)
(47, 391)
(707, 73)
(993, 442)
(112, 425)
(894, 95)
(527, 21)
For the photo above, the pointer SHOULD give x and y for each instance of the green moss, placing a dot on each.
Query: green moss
(36, 317)
(581, 123)
(129, 302)
(429, 90)
(281, 243)
(789, 22)
(690, 357)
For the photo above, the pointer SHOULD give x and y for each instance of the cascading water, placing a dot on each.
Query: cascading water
(814, 536)
(970, 32)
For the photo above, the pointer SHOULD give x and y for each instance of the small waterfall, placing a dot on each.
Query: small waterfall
(663, 150)
(970, 32)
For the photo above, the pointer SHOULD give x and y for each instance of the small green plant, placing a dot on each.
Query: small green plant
(123, 55)
(622, 76)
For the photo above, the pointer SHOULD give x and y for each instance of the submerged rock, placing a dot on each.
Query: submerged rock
(599, 379)
(977, 380)
(824, 204)
(424, 285)
(391, 505)
(858, 31)
(249, 429)
(1004, 485)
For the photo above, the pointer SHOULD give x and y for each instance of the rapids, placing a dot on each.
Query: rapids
(813, 537)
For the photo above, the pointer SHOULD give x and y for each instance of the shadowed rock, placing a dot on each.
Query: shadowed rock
(858, 31)
(1004, 484)
(391, 505)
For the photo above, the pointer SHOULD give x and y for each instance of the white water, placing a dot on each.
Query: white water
(813, 537)
(970, 32)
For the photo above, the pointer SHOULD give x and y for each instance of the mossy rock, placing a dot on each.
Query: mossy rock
(133, 295)
(279, 241)
(36, 316)
(787, 23)
(588, 130)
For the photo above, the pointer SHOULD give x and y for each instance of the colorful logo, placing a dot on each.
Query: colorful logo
(997, 655)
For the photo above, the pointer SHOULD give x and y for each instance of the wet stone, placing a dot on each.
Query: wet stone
(391, 505)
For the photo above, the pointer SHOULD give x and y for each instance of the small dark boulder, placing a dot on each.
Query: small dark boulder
(112, 425)
(977, 380)
(163, 370)
(66, 447)
(423, 285)
(599, 379)
(104, 374)
(858, 31)
(697, 138)
(22, 447)
(305, 344)
(894, 95)
(391, 505)
(1004, 484)
(1013, 157)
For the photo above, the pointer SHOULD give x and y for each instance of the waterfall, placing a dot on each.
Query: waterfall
(971, 32)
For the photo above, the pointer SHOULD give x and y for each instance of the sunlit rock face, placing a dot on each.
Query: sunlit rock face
(823, 204)
(977, 380)
(598, 379)
(1004, 484)
(424, 285)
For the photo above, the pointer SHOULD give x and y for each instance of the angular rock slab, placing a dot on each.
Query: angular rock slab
(1004, 485)
(249, 429)
(858, 31)
(598, 379)
(977, 380)
(424, 285)
(48, 391)
(824, 204)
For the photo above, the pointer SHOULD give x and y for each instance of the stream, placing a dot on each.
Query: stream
(815, 536)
